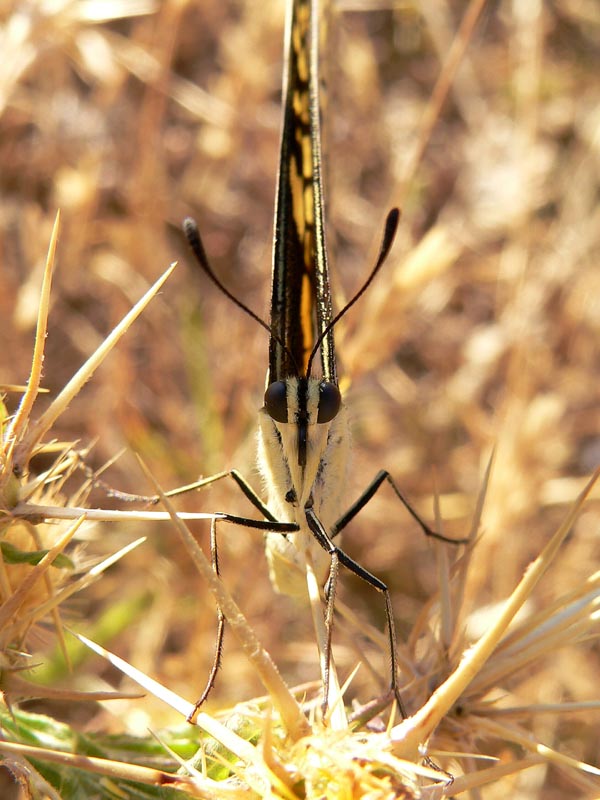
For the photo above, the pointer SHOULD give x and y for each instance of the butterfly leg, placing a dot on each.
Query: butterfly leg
(338, 557)
(190, 487)
(370, 491)
(214, 558)
(358, 570)
(256, 524)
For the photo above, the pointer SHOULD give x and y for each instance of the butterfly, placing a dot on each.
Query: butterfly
(303, 450)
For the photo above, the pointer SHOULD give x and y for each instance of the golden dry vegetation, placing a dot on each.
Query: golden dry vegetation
(482, 330)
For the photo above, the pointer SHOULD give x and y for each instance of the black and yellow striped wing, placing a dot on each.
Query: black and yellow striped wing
(301, 298)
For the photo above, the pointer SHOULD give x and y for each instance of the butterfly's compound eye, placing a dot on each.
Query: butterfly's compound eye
(330, 401)
(276, 401)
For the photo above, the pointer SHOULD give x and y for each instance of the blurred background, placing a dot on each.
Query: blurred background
(481, 331)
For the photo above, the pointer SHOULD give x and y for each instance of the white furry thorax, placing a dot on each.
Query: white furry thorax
(290, 487)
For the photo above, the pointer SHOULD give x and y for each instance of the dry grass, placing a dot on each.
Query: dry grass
(482, 330)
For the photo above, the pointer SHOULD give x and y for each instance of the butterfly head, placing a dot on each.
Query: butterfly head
(303, 402)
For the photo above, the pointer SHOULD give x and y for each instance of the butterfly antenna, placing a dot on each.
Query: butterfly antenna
(192, 234)
(389, 231)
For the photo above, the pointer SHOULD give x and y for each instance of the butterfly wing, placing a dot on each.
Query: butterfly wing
(301, 299)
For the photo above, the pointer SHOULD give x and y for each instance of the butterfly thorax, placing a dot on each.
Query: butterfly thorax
(303, 463)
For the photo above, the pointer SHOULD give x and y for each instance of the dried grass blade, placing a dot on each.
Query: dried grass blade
(104, 766)
(61, 596)
(83, 374)
(244, 750)
(10, 607)
(19, 421)
(411, 733)
(513, 734)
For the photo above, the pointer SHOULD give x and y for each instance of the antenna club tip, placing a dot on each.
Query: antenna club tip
(190, 229)
(393, 218)
(391, 226)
